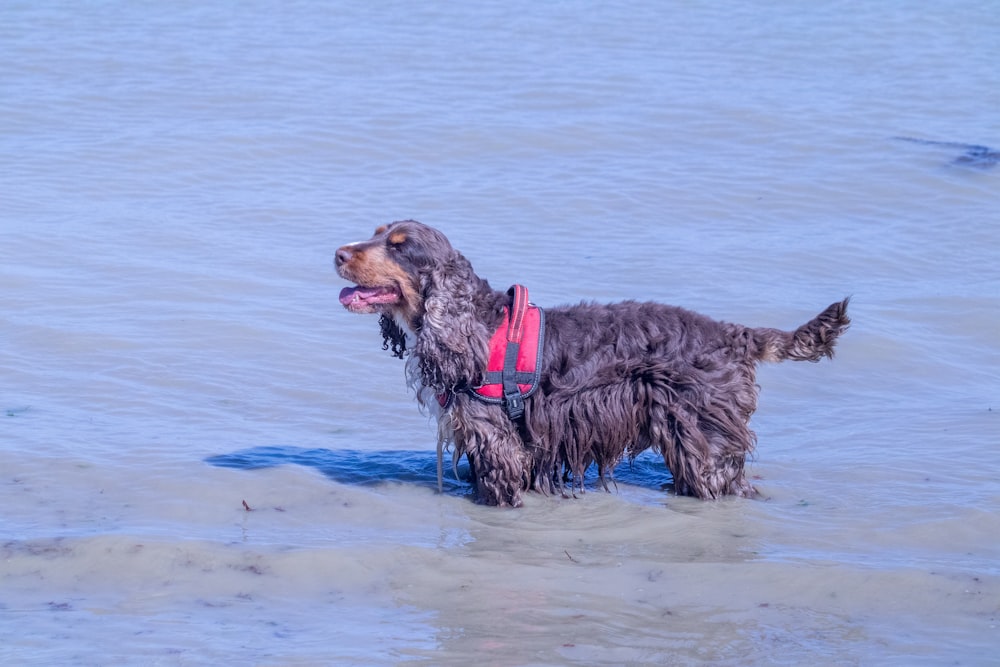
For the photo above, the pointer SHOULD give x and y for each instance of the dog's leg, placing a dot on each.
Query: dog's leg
(724, 473)
(499, 462)
(705, 454)
(544, 470)
(600, 426)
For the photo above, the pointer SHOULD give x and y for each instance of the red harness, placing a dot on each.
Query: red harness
(515, 364)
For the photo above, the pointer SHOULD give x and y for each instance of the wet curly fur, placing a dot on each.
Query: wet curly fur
(617, 379)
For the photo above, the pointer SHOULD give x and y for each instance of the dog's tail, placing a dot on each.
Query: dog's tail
(810, 342)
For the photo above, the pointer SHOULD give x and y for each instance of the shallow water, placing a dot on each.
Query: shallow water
(175, 180)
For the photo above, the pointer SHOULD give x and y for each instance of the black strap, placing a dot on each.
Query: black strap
(511, 392)
(520, 377)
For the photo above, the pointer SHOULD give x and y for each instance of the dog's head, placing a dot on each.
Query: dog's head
(412, 276)
(391, 270)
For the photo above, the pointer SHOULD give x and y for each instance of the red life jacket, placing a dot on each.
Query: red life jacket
(514, 368)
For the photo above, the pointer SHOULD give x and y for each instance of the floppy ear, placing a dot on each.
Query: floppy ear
(453, 339)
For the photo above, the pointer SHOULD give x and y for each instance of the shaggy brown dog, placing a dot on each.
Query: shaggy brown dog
(615, 379)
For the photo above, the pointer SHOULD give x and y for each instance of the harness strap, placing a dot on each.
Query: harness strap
(512, 399)
(509, 378)
(496, 377)
(518, 309)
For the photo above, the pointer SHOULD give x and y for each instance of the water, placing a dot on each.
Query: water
(176, 177)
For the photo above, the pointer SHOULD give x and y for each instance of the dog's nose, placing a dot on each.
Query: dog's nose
(343, 256)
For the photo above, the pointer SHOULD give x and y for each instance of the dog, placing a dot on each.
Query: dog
(603, 381)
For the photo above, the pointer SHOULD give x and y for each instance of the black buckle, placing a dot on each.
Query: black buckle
(514, 403)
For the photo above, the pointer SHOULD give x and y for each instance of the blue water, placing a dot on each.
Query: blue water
(174, 180)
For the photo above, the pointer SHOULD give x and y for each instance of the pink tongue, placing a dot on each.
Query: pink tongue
(364, 295)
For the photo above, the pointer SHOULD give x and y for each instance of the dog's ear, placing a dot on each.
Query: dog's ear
(452, 342)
